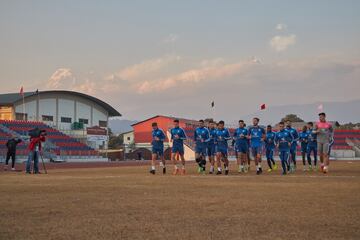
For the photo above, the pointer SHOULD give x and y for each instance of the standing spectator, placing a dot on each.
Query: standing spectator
(11, 152)
(35, 149)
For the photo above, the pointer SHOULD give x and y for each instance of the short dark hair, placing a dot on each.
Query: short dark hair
(287, 120)
(176, 120)
(241, 121)
(269, 126)
(310, 123)
(221, 122)
(281, 123)
(154, 124)
(257, 119)
(322, 114)
(202, 121)
(211, 121)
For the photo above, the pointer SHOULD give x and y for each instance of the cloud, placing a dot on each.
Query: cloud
(88, 86)
(193, 76)
(212, 62)
(142, 69)
(281, 43)
(281, 27)
(65, 79)
(171, 38)
(255, 60)
(61, 78)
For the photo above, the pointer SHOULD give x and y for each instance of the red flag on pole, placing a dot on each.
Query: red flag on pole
(22, 91)
(263, 106)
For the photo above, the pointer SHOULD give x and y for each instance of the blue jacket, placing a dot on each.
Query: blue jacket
(180, 133)
(158, 133)
(201, 136)
(284, 139)
(312, 138)
(256, 133)
(212, 133)
(294, 135)
(222, 137)
(270, 140)
(240, 135)
(304, 137)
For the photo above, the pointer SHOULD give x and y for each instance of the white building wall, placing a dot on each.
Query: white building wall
(66, 109)
(47, 106)
(67, 104)
(83, 111)
(30, 110)
(128, 138)
(98, 116)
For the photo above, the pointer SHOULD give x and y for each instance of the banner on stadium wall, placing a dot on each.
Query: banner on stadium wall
(96, 131)
(97, 138)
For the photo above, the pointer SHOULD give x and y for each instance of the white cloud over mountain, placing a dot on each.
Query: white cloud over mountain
(282, 42)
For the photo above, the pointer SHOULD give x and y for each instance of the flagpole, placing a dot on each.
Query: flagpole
(23, 98)
(38, 105)
(213, 109)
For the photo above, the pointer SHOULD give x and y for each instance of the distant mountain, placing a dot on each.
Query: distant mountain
(120, 125)
(343, 112)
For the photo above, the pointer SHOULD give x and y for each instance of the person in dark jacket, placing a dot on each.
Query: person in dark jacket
(11, 152)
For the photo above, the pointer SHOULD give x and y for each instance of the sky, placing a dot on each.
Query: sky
(175, 57)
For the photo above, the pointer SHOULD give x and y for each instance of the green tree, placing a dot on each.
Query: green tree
(115, 141)
(292, 117)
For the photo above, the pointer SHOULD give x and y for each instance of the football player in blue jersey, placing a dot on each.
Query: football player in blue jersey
(270, 148)
(295, 136)
(312, 146)
(201, 138)
(158, 137)
(178, 136)
(222, 138)
(211, 151)
(241, 146)
(256, 134)
(283, 141)
(304, 141)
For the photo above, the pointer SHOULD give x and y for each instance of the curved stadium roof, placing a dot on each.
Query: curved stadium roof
(11, 98)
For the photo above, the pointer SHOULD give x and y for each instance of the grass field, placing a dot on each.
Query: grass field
(128, 203)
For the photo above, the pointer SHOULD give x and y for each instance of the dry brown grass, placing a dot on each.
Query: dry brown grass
(128, 203)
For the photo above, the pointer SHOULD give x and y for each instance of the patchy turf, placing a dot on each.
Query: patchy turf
(128, 203)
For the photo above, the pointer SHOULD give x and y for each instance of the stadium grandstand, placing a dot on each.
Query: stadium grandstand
(76, 123)
(346, 142)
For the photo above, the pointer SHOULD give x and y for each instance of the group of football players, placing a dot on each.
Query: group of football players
(212, 142)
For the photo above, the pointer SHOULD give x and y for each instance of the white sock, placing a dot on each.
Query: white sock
(211, 168)
(241, 166)
(152, 167)
(259, 165)
(219, 169)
